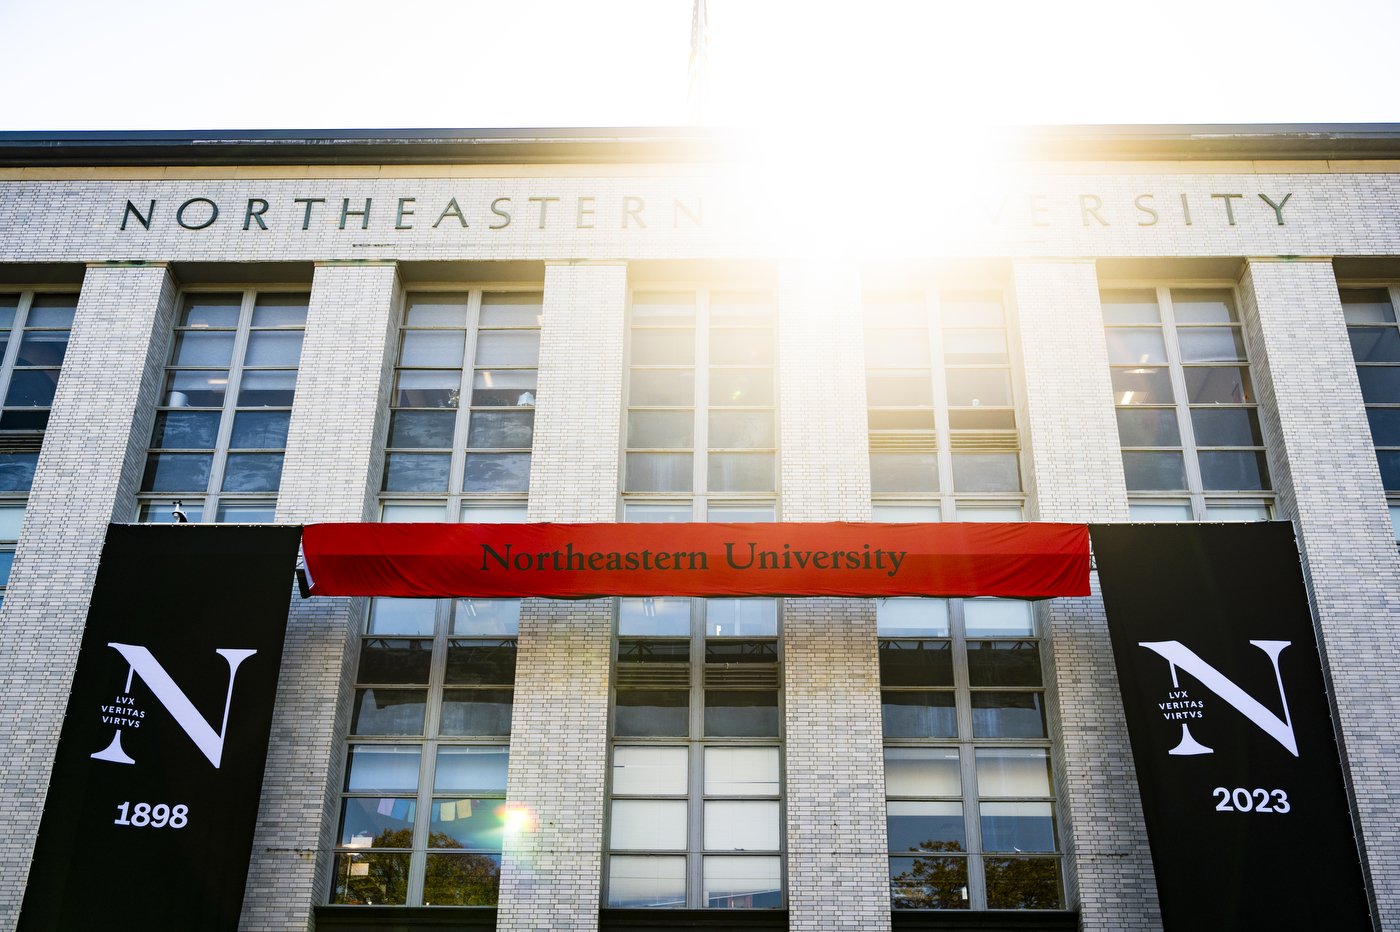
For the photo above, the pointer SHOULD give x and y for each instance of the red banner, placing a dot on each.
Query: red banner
(584, 561)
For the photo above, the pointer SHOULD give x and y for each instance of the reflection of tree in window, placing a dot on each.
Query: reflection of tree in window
(931, 882)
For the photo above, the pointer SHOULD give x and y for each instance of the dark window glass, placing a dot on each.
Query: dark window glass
(1153, 472)
(652, 713)
(737, 651)
(510, 388)
(375, 822)
(1023, 883)
(176, 472)
(1148, 427)
(1008, 715)
(185, 430)
(928, 883)
(927, 832)
(1003, 663)
(467, 823)
(417, 472)
(17, 471)
(429, 388)
(1226, 427)
(370, 879)
(977, 419)
(427, 429)
(741, 388)
(388, 711)
(252, 472)
(1385, 426)
(34, 388)
(741, 713)
(1379, 384)
(1140, 386)
(260, 430)
(918, 714)
(1218, 385)
(23, 420)
(395, 660)
(462, 879)
(899, 387)
(198, 388)
(916, 663)
(904, 472)
(1241, 470)
(496, 472)
(1389, 462)
(267, 388)
(1374, 344)
(43, 348)
(653, 651)
(1018, 827)
(986, 472)
(480, 663)
(501, 429)
(476, 711)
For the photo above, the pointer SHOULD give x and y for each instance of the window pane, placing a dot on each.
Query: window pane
(998, 618)
(248, 513)
(897, 348)
(1196, 306)
(649, 824)
(1367, 306)
(209, 310)
(496, 472)
(971, 347)
(986, 472)
(494, 514)
(512, 309)
(989, 512)
(1023, 883)
(254, 429)
(733, 650)
(185, 430)
(741, 825)
(663, 347)
(22, 420)
(508, 348)
(1235, 470)
(928, 883)
(918, 714)
(661, 388)
(1220, 385)
(1169, 512)
(925, 826)
(252, 472)
(741, 772)
(182, 388)
(436, 310)
(1008, 715)
(901, 419)
(1379, 384)
(741, 387)
(416, 472)
(504, 387)
(971, 309)
(35, 388)
(377, 822)
(970, 388)
(659, 472)
(735, 472)
(1226, 427)
(1148, 427)
(902, 514)
(487, 617)
(476, 711)
(165, 472)
(743, 883)
(413, 513)
(1130, 307)
(741, 347)
(7, 563)
(1157, 471)
(899, 387)
(916, 663)
(904, 472)
(1013, 772)
(382, 768)
(912, 617)
(388, 711)
(281, 310)
(982, 419)
(650, 771)
(271, 348)
(654, 617)
(664, 307)
(437, 349)
(499, 429)
(263, 389)
(741, 429)
(480, 663)
(741, 617)
(1385, 426)
(395, 660)
(402, 616)
(1003, 663)
(1142, 386)
(11, 520)
(1211, 344)
(429, 388)
(192, 348)
(471, 770)
(652, 713)
(370, 879)
(753, 308)
(467, 823)
(1137, 346)
(1237, 512)
(428, 429)
(655, 882)
(741, 713)
(653, 429)
(922, 772)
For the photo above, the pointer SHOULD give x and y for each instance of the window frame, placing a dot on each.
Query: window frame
(1392, 496)
(26, 440)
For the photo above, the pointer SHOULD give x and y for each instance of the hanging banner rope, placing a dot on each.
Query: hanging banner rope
(585, 561)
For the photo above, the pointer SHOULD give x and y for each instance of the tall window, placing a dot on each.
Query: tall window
(450, 461)
(221, 426)
(970, 809)
(1375, 345)
(940, 408)
(34, 331)
(701, 398)
(696, 789)
(422, 811)
(1188, 421)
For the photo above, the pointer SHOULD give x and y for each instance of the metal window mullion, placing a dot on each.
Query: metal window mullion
(428, 763)
(457, 471)
(7, 367)
(695, 829)
(1182, 404)
(700, 475)
(967, 759)
(938, 371)
(235, 376)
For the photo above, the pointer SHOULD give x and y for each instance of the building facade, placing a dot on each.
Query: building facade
(1084, 325)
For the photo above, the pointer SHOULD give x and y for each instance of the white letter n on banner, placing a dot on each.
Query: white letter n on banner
(175, 701)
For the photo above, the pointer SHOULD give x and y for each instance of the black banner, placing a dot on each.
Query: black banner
(1227, 712)
(151, 807)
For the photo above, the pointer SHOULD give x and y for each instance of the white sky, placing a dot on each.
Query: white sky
(864, 65)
